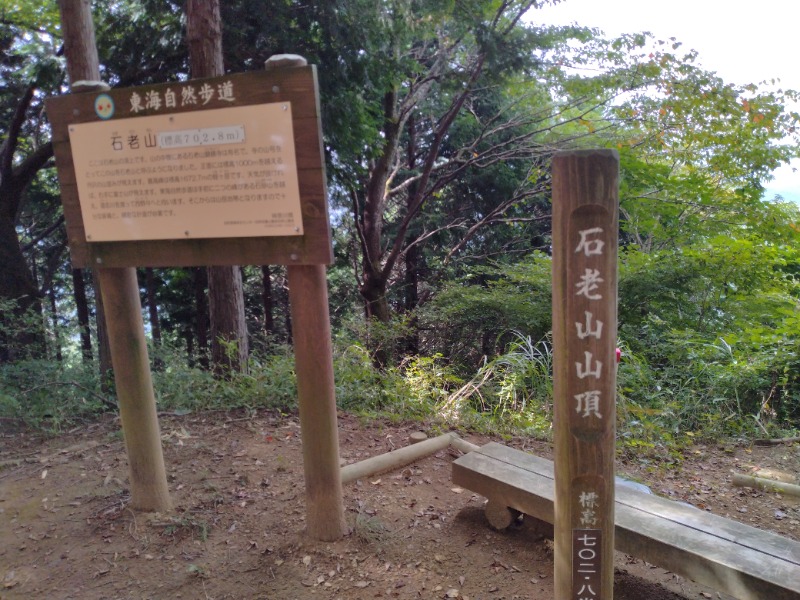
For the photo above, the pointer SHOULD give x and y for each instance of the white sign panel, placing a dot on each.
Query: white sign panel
(220, 173)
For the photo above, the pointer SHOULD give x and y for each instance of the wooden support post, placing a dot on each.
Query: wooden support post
(311, 331)
(123, 308)
(137, 403)
(585, 240)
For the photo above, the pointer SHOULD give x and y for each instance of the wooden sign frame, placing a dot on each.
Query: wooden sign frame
(297, 86)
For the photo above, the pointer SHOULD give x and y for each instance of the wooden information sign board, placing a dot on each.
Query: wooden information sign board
(585, 240)
(219, 171)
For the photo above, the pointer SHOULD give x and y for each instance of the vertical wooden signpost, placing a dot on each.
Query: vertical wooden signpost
(585, 240)
(218, 171)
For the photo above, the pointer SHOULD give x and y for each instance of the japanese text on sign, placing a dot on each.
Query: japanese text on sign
(586, 563)
(588, 402)
(227, 172)
(189, 95)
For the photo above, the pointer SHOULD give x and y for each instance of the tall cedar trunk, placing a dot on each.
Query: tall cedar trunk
(152, 314)
(103, 343)
(412, 251)
(152, 306)
(83, 65)
(229, 343)
(287, 310)
(82, 308)
(56, 326)
(267, 301)
(190, 347)
(200, 285)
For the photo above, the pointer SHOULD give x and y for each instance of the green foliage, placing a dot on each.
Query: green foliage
(150, 30)
(471, 319)
(709, 296)
(20, 331)
(268, 383)
(361, 387)
(513, 391)
(711, 333)
(48, 395)
(411, 389)
(38, 17)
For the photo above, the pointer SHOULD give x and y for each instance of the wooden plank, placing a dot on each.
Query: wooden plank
(501, 481)
(719, 563)
(736, 558)
(680, 514)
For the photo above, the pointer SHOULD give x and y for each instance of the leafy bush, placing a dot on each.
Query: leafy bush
(712, 334)
(514, 391)
(473, 319)
(363, 387)
(268, 383)
(50, 395)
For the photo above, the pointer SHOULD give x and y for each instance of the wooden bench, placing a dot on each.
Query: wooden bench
(737, 559)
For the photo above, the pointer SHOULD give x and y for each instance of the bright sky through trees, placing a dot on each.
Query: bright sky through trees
(743, 43)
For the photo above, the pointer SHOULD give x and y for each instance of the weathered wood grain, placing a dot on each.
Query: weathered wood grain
(729, 556)
(585, 240)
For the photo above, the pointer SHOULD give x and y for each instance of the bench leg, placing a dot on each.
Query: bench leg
(499, 515)
(539, 529)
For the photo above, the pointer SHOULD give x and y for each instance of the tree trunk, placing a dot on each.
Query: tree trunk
(229, 343)
(267, 301)
(17, 283)
(287, 309)
(200, 281)
(229, 347)
(189, 336)
(152, 306)
(103, 344)
(84, 65)
(82, 308)
(373, 290)
(147, 472)
(56, 326)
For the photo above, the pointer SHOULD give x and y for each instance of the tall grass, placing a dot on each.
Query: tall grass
(512, 391)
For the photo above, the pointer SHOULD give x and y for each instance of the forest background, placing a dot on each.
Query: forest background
(440, 119)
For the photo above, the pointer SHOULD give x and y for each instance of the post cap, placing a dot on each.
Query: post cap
(283, 61)
(84, 85)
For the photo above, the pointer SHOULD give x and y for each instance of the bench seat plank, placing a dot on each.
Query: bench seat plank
(743, 561)
(681, 514)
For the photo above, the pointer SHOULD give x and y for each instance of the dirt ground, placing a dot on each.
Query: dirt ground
(237, 531)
